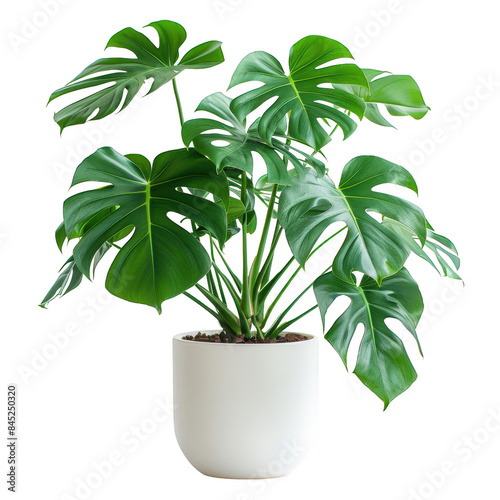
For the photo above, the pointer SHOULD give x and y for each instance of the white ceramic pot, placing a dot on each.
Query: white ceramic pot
(244, 411)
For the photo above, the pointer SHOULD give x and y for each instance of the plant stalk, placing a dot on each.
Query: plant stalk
(245, 289)
(178, 101)
(263, 275)
(290, 280)
(235, 278)
(221, 291)
(280, 318)
(254, 272)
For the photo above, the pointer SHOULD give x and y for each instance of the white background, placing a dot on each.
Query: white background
(81, 406)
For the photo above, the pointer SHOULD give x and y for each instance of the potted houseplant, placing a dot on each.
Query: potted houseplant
(174, 223)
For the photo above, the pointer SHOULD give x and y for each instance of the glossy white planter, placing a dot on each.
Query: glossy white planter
(244, 411)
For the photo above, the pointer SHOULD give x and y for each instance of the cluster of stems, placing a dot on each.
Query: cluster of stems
(250, 293)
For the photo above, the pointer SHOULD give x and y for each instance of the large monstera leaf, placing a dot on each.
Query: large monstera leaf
(382, 363)
(230, 144)
(299, 93)
(313, 203)
(161, 259)
(400, 94)
(126, 76)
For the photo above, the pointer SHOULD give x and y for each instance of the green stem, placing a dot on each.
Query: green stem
(288, 283)
(284, 326)
(219, 283)
(260, 333)
(263, 239)
(211, 284)
(224, 312)
(263, 200)
(264, 272)
(266, 267)
(278, 297)
(201, 304)
(178, 101)
(266, 289)
(334, 129)
(280, 318)
(245, 289)
(245, 329)
(236, 280)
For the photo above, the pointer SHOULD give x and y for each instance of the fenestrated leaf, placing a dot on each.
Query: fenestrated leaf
(161, 259)
(299, 93)
(400, 94)
(313, 203)
(443, 249)
(383, 364)
(230, 144)
(126, 76)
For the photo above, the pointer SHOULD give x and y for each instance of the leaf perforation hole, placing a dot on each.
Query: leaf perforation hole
(405, 336)
(219, 143)
(336, 62)
(374, 215)
(90, 186)
(394, 190)
(352, 353)
(325, 103)
(264, 107)
(93, 114)
(153, 36)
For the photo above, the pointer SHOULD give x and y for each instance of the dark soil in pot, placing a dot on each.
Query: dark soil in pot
(227, 338)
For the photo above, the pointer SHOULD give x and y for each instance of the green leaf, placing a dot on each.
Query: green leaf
(245, 329)
(235, 178)
(70, 277)
(400, 95)
(60, 236)
(443, 249)
(373, 114)
(235, 209)
(223, 311)
(232, 230)
(313, 203)
(299, 93)
(233, 321)
(229, 144)
(125, 77)
(382, 364)
(161, 259)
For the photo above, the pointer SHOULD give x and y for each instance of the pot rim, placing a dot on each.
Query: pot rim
(179, 338)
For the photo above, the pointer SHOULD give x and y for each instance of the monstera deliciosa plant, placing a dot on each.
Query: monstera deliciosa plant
(170, 222)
